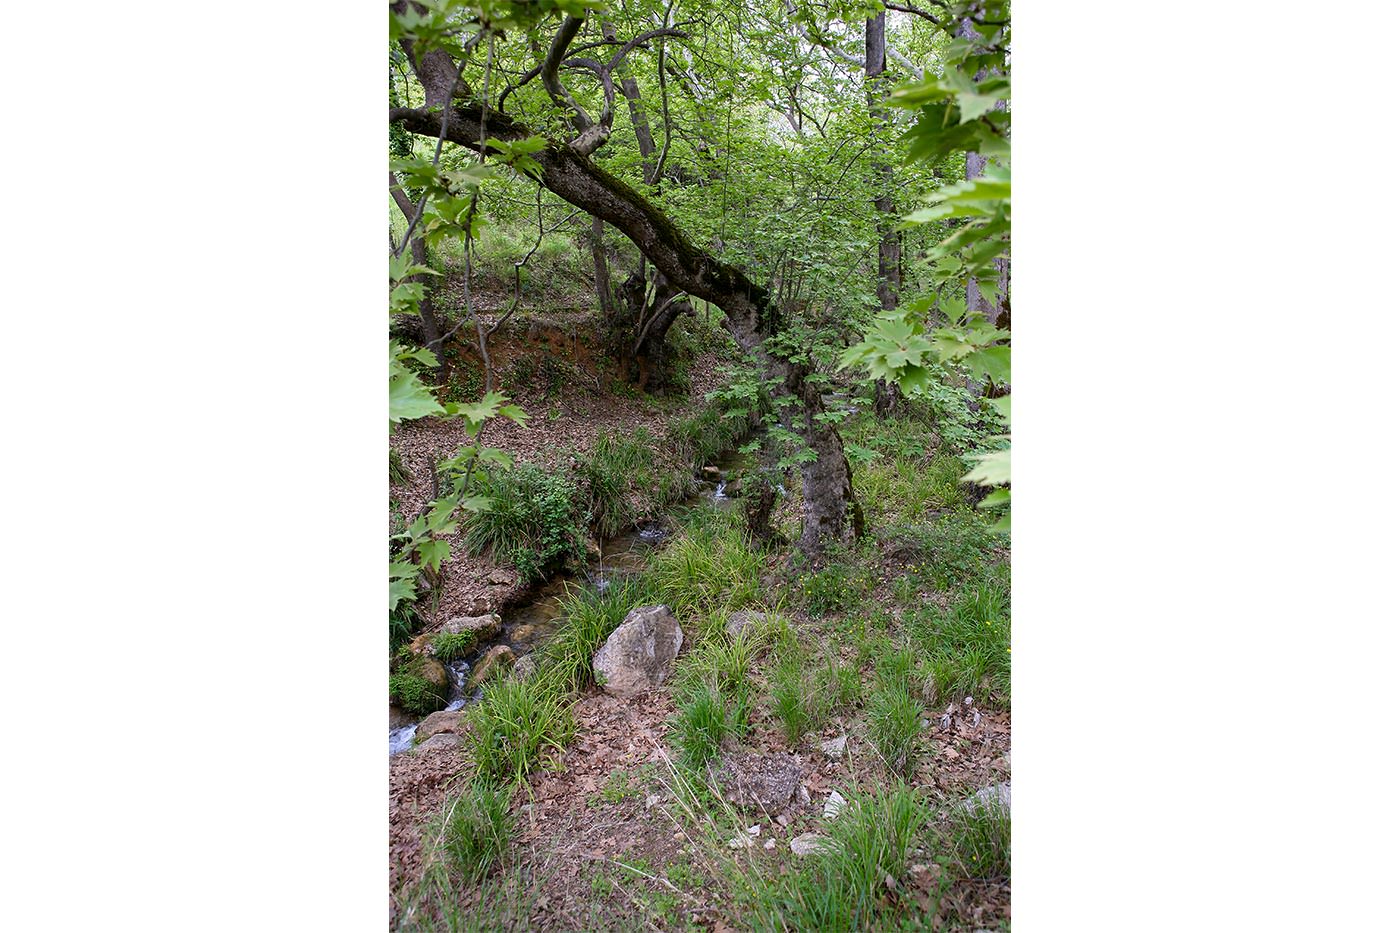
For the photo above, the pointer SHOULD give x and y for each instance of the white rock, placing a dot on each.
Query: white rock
(834, 805)
(653, 800)
(771, 844)
(741, 842)
(809, 844)
(834, 748)
(753, 830)
(994, 796)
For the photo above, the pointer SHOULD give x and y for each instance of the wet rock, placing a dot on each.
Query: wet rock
(639, 654)
(435, 672)
(834, 748)
(398, 719)
(810, 844)
(441, 740)
(992, 797)
(498, 658)
(767, 782)
(439, 723)
(521, 633)
(742, 621)
(524, 668)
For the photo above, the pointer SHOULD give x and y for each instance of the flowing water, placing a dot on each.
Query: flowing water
(527, 625)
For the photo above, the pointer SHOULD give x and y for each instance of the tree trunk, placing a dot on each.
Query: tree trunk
(432, 331)
(830, 512)
(887, 282)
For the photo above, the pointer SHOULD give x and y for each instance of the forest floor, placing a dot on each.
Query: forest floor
(900, 646)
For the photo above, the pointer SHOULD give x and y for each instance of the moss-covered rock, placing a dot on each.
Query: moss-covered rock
(420, 686)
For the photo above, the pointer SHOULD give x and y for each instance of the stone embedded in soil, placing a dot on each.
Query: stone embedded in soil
(992, 797)
(810, 844)
(439, 723)
(834, 805)
(498, 658)
(524, 668)
(741, 621)
(759, 781)
(639, 654)
(834, 748)
(441, 740)
(500, 578)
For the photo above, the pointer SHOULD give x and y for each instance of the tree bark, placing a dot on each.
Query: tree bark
(830, 512)
(887, 279)
(432, 331)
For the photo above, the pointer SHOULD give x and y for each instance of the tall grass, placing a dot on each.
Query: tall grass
(844, 887)
(967, 647)
(710, 567)
(512, 727)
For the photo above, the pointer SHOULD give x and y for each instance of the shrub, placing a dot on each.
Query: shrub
(534, 521)
(477, 831)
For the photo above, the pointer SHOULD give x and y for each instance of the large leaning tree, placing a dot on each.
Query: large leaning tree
(450, 46)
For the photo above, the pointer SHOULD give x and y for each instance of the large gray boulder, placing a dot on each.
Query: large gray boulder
(639, 654)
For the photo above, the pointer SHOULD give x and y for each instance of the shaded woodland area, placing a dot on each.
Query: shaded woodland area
(699, 464)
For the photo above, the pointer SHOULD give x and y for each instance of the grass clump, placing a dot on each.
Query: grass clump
(844, 887)
(710, 567)
(451, 646)
(978, 842)
(967, 647)
(514, 725)
(590, 617)
(534, 522)
(702, 724)
(477, 830)
(894, 715)
(627, 481)
(799, 701)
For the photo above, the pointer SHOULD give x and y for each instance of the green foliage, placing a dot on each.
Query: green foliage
(415, 694)
(702, 723)
(451, 646)
(843, 887)
(895, 720)
(477, 830)
(513, 726)
(978, 842)
(403, 622)
(801, 699)
(837, 586)
(535, 521)
(710, 567)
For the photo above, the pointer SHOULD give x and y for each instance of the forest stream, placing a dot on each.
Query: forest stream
(527, 625)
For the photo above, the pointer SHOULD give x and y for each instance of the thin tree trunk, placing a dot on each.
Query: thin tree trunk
(999, 311)
(887, 282)
(432, 331)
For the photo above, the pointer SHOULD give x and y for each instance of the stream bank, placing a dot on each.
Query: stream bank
(528, 623)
